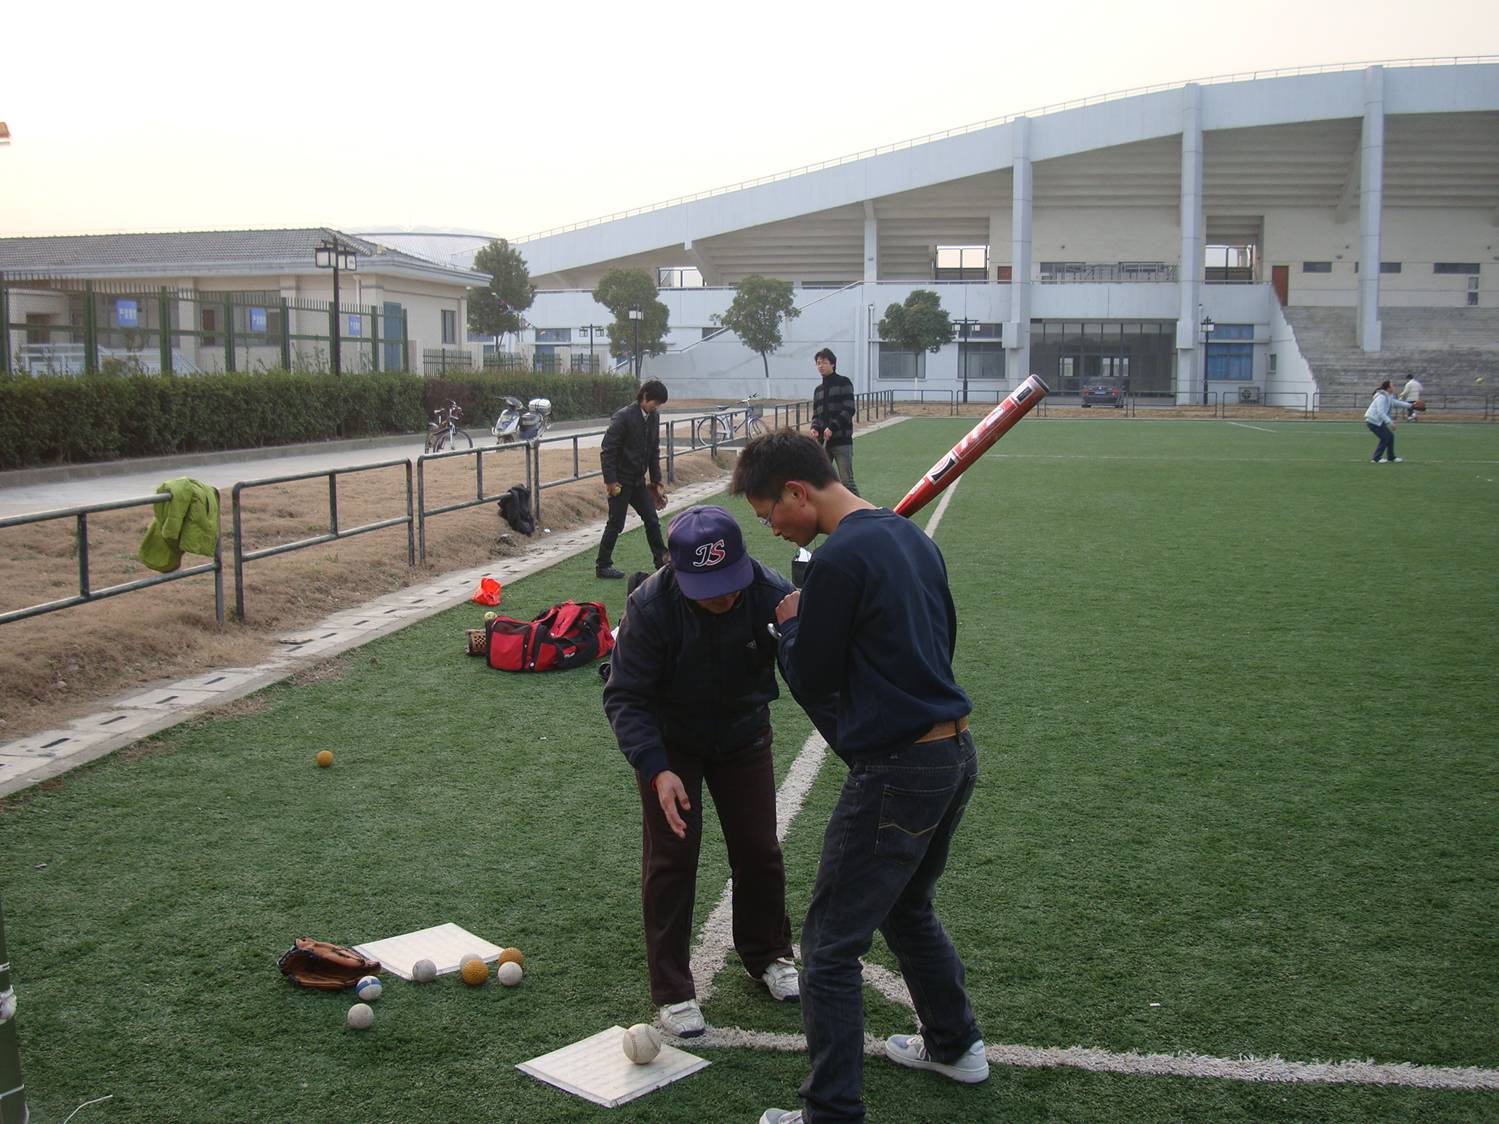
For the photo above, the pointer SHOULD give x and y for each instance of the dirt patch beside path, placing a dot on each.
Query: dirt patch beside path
(62, 665)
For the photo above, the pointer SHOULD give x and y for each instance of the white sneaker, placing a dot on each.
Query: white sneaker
(685, 1019)
(781, 1116)
(1398, 460)
(782, 981)
(910, 1050)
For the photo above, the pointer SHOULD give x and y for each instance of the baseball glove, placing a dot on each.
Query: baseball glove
(1418, 404)
(328, 967)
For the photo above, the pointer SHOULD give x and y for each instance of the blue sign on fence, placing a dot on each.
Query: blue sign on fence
(257, 319)
(356, 325)
(127, 313)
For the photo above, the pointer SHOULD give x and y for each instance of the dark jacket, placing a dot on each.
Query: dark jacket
(698, 680)
(631, 447)
(833, 409)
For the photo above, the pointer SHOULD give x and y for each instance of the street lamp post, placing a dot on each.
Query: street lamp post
(590, 329)
(636, 315)
(1207, 331)
(963, 327)
(333, 254)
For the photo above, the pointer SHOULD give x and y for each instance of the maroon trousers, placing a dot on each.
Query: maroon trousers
(744, 794)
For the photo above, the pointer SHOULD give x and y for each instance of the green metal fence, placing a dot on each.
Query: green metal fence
(60, 327)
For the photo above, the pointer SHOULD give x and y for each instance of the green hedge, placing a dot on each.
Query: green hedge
(54, 420)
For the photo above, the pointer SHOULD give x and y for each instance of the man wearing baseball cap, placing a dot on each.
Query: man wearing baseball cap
(690, 682)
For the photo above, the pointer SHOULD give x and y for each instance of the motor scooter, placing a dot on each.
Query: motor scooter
(525, 423)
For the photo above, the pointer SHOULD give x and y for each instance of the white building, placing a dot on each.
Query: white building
(248, 299)
(1300, 212)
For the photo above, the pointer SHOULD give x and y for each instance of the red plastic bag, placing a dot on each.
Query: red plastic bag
(488, 593)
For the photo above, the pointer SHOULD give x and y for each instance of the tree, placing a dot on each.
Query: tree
(495, 309)
(620, 290)
(920, 324)
(760, 306)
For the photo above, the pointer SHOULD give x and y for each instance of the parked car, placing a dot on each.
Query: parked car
(1104, 394)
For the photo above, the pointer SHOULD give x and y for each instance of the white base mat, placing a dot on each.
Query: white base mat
(596, 1069)
(444, 945)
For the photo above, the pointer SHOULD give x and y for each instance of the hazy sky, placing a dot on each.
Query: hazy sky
(509, 118)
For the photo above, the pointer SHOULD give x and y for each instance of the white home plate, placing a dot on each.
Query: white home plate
(597, 1070)
(444, 945)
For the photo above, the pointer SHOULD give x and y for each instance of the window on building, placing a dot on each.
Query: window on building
(898, 363)
(1225, 263)
(1454, 267)
(1230, 360)
(1316, 267)
(984, 359)
(554, 335)
(679, 277)
(208, 320)
(961, 263)
(1384, 267)
(449, 325)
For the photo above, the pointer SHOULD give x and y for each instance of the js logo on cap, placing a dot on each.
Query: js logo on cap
(710, 554)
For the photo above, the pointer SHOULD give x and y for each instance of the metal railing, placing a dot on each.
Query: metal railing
(1486, 407)
(85, 591)
(477, 453)
(241, 556)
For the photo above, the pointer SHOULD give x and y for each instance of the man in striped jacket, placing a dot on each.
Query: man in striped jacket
(833, 417)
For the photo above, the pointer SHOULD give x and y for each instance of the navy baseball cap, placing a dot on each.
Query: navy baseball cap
(707, 553)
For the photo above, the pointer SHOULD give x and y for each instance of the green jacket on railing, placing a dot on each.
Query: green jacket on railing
(188, 523)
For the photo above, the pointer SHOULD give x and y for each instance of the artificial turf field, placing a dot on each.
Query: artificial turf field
(1234, 696)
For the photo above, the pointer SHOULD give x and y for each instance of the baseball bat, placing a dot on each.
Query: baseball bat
(999, 421)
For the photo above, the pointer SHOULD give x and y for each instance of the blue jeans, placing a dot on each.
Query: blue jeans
(885, 847)
(1386, 437)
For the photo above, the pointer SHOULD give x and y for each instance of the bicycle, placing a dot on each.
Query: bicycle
(725, 426)
(444, 434)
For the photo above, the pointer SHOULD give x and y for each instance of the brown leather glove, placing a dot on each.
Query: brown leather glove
(329, 967)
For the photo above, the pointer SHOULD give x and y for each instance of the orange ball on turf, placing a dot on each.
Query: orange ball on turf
(324, 758)
(475, 972)
(513, 954)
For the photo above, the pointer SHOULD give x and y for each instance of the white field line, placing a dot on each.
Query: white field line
(1248, 1068)
(1259, 428)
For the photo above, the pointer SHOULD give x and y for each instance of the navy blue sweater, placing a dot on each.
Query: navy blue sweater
(878, 626)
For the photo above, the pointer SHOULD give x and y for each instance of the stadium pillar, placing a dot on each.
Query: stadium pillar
(1370, 209)
(1191, 359)
(1017, 330)
(864, 330)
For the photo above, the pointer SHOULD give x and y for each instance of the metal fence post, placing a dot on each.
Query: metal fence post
(421, 507)
(4, 335)
(374, 337)
(410, 522)
(229, 336)
(90, 336)
(405, 344)
(285, 336)
(671, 451)
(239, 561)
(164, 319)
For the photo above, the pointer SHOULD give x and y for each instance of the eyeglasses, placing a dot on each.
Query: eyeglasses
(765, 519)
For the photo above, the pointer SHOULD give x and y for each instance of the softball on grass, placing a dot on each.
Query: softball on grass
(509, 973)
(641, 1044)
(512, 954)
(424, 971)
(489, 616)
(474, 972)
(324, 758)
(368, 987)
(361, 1016)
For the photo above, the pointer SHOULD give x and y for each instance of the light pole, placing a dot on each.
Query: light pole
(963, 326)
(333, 254)
(1207, 331)
(590, 329)
(636, 315)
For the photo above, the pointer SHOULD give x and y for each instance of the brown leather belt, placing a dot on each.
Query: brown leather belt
(946, 729)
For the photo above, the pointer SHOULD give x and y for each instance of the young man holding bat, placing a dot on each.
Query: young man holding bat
(875, 622)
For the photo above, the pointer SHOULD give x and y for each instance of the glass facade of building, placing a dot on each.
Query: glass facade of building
(1072, 354)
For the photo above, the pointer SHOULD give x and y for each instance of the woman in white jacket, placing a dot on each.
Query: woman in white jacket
(1381, 422)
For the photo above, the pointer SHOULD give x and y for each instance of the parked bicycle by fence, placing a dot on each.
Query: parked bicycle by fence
(728, 424)
(443, 433)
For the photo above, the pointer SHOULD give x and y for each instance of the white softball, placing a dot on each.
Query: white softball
(509, 973)
(424, 971)
(368, 988)
(641, 1043)
(361, 1016)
